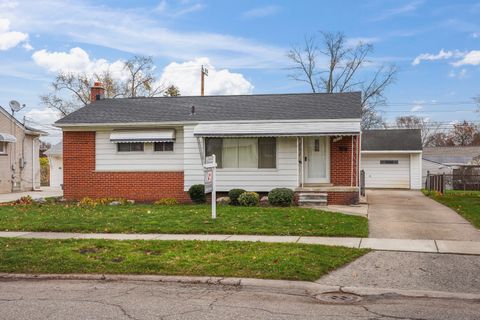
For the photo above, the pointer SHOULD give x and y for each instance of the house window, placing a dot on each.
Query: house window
(388, 161)
(243, 152)
(130, 147)
(3, 148)
(163, 146)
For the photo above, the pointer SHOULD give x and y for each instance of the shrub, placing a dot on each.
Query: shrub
(89, 202)
(282, 197)
(166, 202)
(249, 199)
(234, 194)
(197, 193)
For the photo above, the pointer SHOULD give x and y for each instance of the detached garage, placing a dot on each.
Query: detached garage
(392, 158)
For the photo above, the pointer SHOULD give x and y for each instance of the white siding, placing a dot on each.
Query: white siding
(386, 175)
(285, 175)
(415, 171)
(108, 159)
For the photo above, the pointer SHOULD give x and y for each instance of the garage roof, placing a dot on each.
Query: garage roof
(392, 140)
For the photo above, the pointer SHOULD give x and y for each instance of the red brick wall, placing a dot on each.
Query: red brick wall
(81, 180)
(341, 158)
(342, 198)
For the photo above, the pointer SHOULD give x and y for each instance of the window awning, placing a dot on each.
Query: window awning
(128, 136)
(5, 137)
(277, 129)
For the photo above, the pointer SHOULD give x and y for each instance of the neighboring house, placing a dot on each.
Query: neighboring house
(151, 148)
(437, 160)
(55, 161)
(392, 158)
(19, 155)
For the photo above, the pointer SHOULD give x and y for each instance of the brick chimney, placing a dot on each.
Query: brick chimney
(97, 92)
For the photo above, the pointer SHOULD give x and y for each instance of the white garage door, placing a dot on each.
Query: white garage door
(386, 170)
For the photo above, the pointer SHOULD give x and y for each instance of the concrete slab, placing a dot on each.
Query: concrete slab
(408, 214)
(116, 236)
(461, 247)
(399, 245)
(44, 192)
(291, 239)
(200, 237)
(333, 241)
(353, 210)
(48, 235)
(11, 234)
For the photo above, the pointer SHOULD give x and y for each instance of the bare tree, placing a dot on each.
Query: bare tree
(429, 128)
(71, 91)
(463, 134)
(331, 65)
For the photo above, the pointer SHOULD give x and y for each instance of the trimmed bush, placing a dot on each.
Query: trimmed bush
(282, 197)
(197, 193)
(249, 199)
(234, 194)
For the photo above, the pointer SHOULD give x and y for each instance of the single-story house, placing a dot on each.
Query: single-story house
(392, 158)
(55, 162)
(449, 160)
(151, 148)
(19, 155)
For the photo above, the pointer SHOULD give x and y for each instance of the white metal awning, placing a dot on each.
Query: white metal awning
(5, 137)
(276, 129)
(126, 136)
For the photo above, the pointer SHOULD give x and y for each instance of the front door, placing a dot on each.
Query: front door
(317, 160)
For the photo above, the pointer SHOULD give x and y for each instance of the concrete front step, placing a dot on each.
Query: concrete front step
(312, 199)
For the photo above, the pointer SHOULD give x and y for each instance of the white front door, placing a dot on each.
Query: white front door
(317, 160)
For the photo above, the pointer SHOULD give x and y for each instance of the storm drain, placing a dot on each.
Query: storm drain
(338, 297)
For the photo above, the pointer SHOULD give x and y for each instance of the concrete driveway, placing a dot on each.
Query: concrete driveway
(407, 214)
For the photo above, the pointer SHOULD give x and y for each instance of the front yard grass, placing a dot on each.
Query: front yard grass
(193, 258)
(191, 219)
(465, 203)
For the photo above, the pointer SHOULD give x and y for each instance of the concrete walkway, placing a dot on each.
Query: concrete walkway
(432, 246)
(44, 192)
(406, 214)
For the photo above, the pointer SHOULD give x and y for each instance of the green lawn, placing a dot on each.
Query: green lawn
(140, 218)
(466, 203)
(195, 258)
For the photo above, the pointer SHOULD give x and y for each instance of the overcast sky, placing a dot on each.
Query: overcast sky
(435, 44)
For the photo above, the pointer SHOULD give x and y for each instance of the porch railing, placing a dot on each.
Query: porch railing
(362, 183)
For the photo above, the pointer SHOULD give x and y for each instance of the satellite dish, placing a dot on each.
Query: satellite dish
(15, 106)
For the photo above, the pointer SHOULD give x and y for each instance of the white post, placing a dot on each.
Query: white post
(214, 189)
(303, 164)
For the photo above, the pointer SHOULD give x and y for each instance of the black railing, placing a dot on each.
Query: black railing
(362, 183)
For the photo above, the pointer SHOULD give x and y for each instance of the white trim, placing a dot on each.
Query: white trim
(390, 151)
(176, 123)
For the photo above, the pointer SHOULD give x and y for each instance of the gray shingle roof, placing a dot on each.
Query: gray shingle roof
(451, 155)
(391, 139)
(220, 108)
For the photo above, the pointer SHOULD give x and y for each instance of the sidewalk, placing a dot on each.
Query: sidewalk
(43, 192)
(432, 246)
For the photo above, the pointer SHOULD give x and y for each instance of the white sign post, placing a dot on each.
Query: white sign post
(210, 180)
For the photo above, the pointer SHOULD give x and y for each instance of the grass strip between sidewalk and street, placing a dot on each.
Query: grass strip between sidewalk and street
(465, 203)
(188, 258)
(180, 219)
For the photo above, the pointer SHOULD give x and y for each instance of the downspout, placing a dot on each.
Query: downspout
(303, 164)
(351, 165)
(33, 165)
(298, 168)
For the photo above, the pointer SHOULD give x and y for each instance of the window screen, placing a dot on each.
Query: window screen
(130, 147)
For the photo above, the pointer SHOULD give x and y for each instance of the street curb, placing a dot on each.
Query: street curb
(306, 287)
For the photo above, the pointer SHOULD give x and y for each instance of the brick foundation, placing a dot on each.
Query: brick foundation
(342, 198)
(81, 180)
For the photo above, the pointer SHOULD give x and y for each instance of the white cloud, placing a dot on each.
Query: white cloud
(470, 58)
(407, 8)
(441, 55)
(417, 105)
(177, 9)
(10, 39)
(141, 32)
(475, 35)
(261, 12)
(459, 75)
(45, 116)
(351, 42)
(77, 60)
(186, 76)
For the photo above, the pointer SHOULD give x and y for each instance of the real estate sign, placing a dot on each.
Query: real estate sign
(209, 181)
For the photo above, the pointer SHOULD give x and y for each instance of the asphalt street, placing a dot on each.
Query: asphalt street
(75, 299)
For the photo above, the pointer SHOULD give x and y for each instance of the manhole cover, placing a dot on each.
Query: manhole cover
(338, 297)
